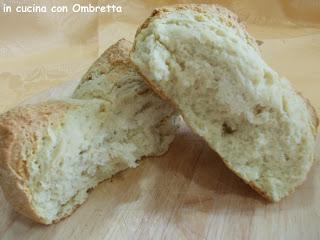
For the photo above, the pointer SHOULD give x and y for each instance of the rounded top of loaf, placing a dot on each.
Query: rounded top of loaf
(204, 10)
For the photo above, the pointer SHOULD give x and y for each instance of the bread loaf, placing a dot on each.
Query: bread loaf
(201, 58)
(52, 153)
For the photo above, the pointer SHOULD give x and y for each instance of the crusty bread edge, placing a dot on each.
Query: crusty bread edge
(14, 172)
(158, 13)
(115, 55)
(201, 8)
(13, 185)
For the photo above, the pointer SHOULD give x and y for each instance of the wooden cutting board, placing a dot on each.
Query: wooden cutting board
(186, 194)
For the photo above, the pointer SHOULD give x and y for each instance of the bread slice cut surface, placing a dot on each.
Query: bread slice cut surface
(53, 153)
(201, 58)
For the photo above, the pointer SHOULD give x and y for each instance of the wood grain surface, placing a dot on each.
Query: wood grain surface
(186, 194)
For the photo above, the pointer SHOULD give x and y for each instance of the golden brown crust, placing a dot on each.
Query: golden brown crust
(226, 15)
(119, 52)
(200, 8)
(115, 55)
(115, 59)
(21, 130)
(13, 185)
(203, 8)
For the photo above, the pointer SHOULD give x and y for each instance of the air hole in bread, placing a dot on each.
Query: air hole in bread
(285, 105)
(83, 151)
(227, 129)
(220, 33)
(199, 18)
(286, 157)
(268, 77)
(258, 109)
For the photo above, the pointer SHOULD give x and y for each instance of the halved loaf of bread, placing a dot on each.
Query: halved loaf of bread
(201, 58)
(52, 153)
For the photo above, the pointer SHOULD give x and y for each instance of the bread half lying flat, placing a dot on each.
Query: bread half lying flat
(202, 59)
(52, 153)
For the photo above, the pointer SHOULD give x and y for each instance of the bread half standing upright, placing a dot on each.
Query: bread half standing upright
(201, 58)
(52, 153)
